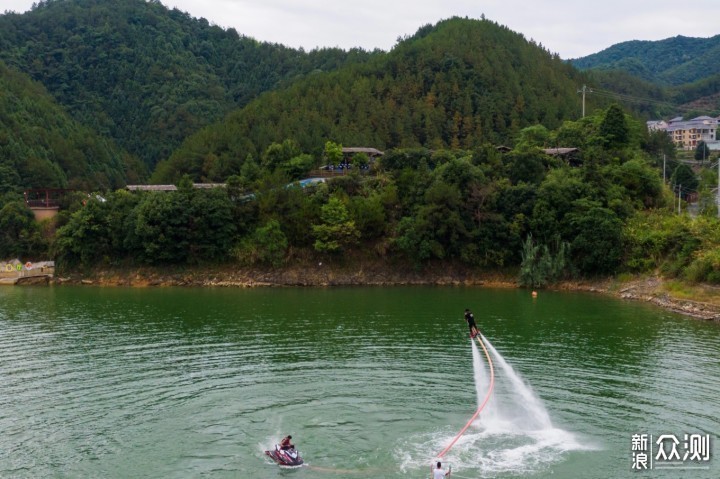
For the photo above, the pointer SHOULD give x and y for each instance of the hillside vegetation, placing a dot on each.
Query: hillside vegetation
(41, 146)
(207, 104)
(673, 61)
(144, 75)
(660, 79)
(478, 207)
(458, 84)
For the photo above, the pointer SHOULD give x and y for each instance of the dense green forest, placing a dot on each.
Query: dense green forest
(458, 84)
(144, 75)
(604, 212)
(673, 61)
(42, 146)
(149, 78)
(677, 76)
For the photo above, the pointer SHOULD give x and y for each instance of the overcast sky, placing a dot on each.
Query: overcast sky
(572, 28)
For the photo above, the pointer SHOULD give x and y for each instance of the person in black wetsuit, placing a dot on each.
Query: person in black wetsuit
(470, 319)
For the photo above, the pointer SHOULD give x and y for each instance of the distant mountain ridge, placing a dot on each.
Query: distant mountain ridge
(674, 61)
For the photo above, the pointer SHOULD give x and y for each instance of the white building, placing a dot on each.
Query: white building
(657, 125)
(688, 133)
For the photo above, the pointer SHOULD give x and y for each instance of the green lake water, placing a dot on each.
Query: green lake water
(371, 382)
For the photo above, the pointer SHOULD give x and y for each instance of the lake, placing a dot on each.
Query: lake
(371, 382)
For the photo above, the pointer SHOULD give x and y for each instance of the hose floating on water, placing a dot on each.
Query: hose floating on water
(484, 403)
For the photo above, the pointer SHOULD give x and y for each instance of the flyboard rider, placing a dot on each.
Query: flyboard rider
(470, 319)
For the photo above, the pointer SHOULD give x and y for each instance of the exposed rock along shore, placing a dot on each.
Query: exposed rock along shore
(646, 289)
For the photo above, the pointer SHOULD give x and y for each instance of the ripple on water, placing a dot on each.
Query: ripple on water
(96, 382)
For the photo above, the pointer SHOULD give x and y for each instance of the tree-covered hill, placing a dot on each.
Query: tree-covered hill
(604, 211)
(673, 61)
(458, 84)
(42, 146)
(143, 74)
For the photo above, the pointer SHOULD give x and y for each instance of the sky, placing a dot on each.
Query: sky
(571, 28)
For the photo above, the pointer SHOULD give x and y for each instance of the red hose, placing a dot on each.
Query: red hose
(482, 406)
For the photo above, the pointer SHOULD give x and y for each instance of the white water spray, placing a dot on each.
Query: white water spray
(514, 432)
(520, 406)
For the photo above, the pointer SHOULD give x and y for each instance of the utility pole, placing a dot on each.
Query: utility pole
(718, 189)
(583, 91)
(663, 167)
(679, 197)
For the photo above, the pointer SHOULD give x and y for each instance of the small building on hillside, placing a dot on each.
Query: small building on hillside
(44, 202)
(656, 125)
(347, 163)
(173, 187)
(570, 155)
(372, 153)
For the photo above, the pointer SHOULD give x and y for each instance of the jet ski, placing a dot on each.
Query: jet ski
(287, 457)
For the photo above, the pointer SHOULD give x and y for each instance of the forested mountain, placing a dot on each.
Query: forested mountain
(143, 74)
(42, 146)
(673, 61)
(458, 84)
(702, 96)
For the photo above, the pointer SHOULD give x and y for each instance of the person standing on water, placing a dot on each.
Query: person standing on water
(470, 319)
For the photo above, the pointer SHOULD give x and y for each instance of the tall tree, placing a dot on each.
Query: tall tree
(614, 128)
(337, 230)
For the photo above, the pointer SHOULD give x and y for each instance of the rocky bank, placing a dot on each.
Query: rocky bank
(319, 273)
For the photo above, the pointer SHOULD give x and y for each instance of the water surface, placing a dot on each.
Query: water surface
(371, 382)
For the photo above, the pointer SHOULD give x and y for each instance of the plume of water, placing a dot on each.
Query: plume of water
(514, 432)
(520, 406)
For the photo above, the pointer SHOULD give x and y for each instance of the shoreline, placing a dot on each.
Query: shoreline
(651, 289)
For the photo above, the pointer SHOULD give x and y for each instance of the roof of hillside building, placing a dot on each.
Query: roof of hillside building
(559, 151)
(172, 187)
(359, 149)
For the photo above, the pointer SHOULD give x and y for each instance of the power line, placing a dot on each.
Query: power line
(626, 97)
(633, 98)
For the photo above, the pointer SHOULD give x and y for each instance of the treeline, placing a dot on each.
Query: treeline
(42, 146)
(604, 210)
(144, 75)
(477, 207)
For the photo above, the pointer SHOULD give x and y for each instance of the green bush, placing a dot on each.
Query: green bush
(705, 268)
(268, 245)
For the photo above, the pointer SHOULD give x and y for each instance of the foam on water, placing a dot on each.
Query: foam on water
(513, 434)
